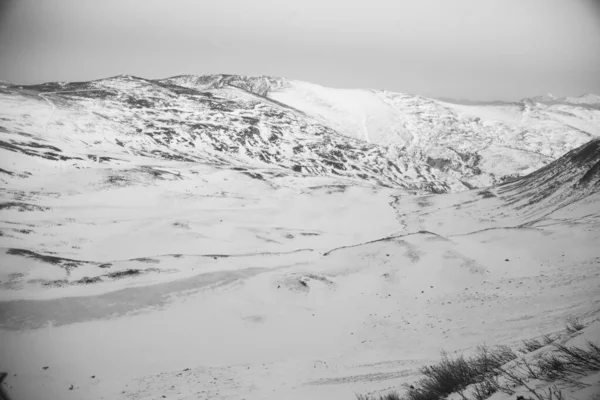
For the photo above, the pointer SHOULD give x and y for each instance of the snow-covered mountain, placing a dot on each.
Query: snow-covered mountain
(260, 238)
(479, 144)
(384, 138)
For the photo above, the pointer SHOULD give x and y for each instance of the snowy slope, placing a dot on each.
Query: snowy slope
(158, 239)
(479, 143)
(207, 283)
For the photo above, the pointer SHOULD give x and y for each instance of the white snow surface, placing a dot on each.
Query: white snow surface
(157, 241)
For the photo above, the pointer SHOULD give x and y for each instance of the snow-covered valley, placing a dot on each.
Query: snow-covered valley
(257, 238)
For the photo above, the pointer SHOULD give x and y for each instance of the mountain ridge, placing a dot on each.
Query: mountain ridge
(382, 137)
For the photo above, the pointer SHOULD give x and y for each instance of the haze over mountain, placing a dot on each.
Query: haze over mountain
(237, 237)
(494, 50)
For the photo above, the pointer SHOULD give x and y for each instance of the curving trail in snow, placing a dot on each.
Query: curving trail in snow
(365, 129)
(42, 95)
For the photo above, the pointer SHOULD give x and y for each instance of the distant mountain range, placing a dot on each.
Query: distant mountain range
(378, 137)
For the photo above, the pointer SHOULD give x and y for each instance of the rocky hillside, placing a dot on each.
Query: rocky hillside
(377, 137)
(572, 177)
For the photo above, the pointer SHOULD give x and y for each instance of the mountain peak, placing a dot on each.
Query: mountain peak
(260, 85)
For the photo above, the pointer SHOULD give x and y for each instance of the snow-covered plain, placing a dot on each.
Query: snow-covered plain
(153, 245)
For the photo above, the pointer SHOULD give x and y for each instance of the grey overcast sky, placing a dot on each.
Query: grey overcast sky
(476, 49)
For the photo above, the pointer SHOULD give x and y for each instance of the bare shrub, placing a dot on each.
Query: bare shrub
(565, 361)
(574, 324)
(388, 396)
(455, 374)
(491, 370)
(548, 339)
(531, 345)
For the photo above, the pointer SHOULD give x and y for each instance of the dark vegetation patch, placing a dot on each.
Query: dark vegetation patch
(180, 90)
(250, 120)
(117, 180)
(57, 87)
(53, 283)
(388, 396)
(31, 195)
(437, 190)
(93, 94)
(15, 276)
(159, 173)
(21, 207)
(331, 188)
(24, 149)
(499, 369)
(12, 147)
(100, 158)
(138, 103)
(55, 157)
(578, 169)
(530, 345)
(123, 274)
(106, 265)
(298, 149)
(169, 156)
(471, 158)
(38, 146)
(593, 174)
(334, 164)
(439, 163)
(146, 260)
(15, 281)
(49, 282)
(574, 324)
(87, 280)
(486, 194)
(468, 185)
(255, 175)
(424, 201)
(22, 134)
(585, 154)
(65, 263)
(453, 374)
(6, 172)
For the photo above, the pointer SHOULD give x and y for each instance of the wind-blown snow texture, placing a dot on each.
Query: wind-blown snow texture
(259, 238)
